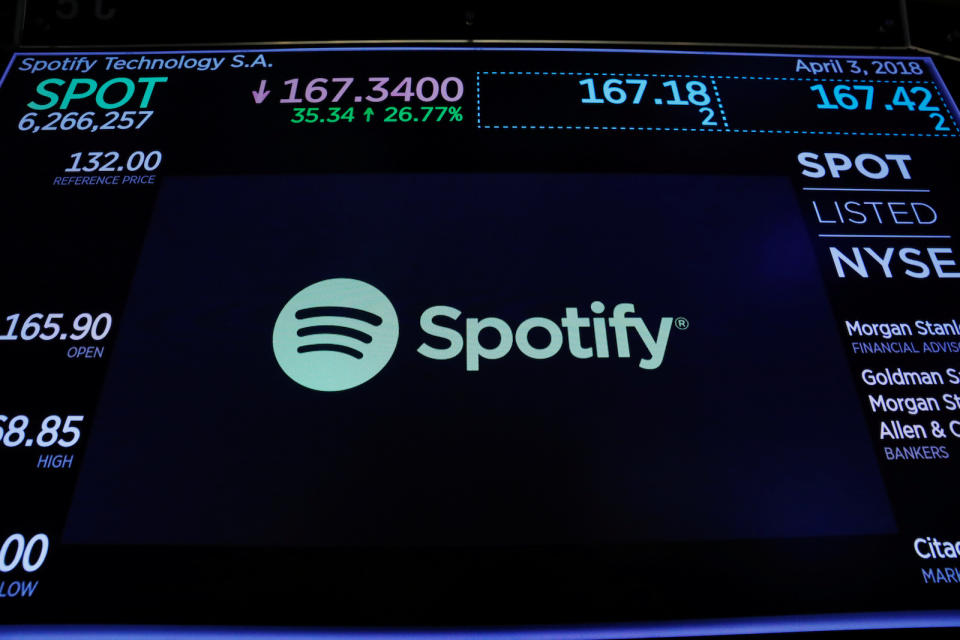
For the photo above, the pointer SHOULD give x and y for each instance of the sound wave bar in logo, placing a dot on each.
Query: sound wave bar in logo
(335, 334)
(337, 330)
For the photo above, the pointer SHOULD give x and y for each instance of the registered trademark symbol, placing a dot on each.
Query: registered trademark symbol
(681, 323)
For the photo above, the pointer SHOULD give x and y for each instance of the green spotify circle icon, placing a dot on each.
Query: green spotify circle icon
(336, 334)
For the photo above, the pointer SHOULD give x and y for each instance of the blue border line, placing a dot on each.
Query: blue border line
(715, 627)
(591, 127)
(711, 76)
(944, 92)
(478, 99)
(475, 48)
(7, 70)
(26, 54)
(716, 94)
(947, 103)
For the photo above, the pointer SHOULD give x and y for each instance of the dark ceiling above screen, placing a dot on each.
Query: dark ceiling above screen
(873, 23)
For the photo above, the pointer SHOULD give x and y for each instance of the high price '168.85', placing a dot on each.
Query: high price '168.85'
(16, 431)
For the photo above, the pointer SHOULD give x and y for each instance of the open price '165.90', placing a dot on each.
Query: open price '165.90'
(49, 326)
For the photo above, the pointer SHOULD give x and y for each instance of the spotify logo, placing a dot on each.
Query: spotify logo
(339, 333)
(336, 334)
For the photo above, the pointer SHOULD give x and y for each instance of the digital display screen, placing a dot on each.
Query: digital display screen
(619, 341)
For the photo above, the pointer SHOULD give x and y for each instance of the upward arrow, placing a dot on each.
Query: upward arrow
(368, 113)
(261, 94)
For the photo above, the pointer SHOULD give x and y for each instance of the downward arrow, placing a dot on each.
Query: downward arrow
(261, 94)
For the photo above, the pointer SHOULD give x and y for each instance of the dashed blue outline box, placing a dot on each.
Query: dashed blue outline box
(725, 128)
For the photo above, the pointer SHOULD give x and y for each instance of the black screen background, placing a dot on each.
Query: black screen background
(718, 442)
(96, 235)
